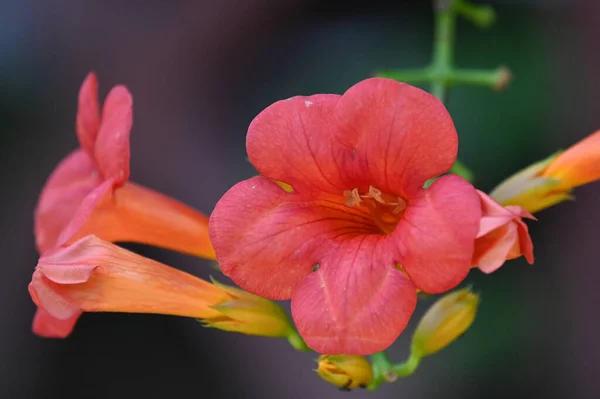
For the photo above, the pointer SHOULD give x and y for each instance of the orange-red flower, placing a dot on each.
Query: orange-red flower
(549, 182)
(93, 275)
(89, 193)
(356, 234)
(502, 235)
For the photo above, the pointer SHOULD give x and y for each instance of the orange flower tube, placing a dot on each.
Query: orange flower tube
(550, 181)
(93, 275)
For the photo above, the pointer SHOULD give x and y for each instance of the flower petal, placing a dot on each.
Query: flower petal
(112, 145)
(83, 213)
(88, 114)
(268, 240)
(494, 215)
(492, 250)
(436, 236)
(294, 141)
(356, 303)
(65, 273)
(525, 242)
(45, 297)
(402, 135)
(72, 180)
(47, 326)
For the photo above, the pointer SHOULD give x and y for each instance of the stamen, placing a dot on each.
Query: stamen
(385, 210)
(375, 194)
(400, 205)
(352, 197)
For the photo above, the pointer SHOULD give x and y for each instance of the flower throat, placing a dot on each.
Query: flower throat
(386, 210)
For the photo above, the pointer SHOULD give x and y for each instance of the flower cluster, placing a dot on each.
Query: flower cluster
(88, 203)
(343, 219)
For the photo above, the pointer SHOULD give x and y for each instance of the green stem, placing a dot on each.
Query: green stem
(443, 47)
(382, 370)
(482, 16)
(495, 79)
(408, 367)
(297, 342)
(415, 76)
(385, 371)
(442, 74)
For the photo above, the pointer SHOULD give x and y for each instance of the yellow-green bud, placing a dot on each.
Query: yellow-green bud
(345, 371)
(250, 314)
(444, 322)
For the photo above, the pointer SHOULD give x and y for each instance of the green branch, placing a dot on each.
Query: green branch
(385, 371)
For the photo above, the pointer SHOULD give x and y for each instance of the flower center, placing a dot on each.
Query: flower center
(386, 209)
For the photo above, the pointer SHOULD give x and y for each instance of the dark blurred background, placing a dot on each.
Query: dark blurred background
(199, 72)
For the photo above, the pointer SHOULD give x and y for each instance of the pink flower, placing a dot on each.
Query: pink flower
(89, 193)
(502, 235)
(357, 234)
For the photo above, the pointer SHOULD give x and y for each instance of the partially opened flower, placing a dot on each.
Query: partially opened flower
(502, 235)
(550, 181)
(93, 275)
(355, 234)
(89, 192)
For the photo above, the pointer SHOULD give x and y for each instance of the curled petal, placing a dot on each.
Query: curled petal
(294, 141)
(494, 215)
(267, 239)
(402, 135)
(72, 180)
(88, 114)
(493, 249)
(47, 326)
(436, 236)
(112, 145)
(502, 235)
(84, 212)
(356, 303)
(93, 275)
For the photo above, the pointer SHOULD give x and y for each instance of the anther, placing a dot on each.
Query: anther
(375, 194)
(352, 197)
(400, 205)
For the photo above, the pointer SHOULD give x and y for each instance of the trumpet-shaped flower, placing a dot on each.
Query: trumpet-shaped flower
(502, 235)
(89, 192)
(549, 182)
(340, 222)
(93, 275)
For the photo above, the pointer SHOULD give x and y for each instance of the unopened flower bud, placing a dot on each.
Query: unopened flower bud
(444, 322)
(549, 182)
(250, 314)
(345, 371)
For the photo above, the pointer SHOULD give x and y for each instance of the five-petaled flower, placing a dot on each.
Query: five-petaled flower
(357, 234)
(89, 193)
(502, 235)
